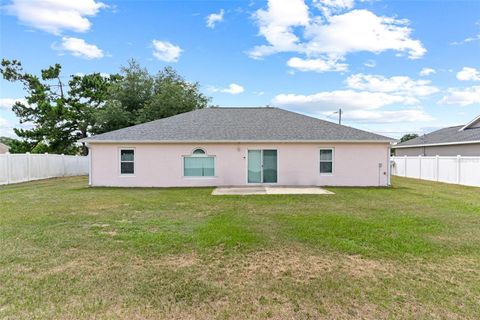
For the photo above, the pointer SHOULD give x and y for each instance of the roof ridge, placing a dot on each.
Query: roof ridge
(230, 123)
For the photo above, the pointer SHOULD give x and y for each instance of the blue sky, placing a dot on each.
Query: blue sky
(392, 66)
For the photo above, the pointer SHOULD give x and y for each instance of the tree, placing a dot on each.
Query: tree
(16, 146)
(141, 97)
(172, 95)
(87, 94)
(57, 114)
(6, 141)
(408, 136)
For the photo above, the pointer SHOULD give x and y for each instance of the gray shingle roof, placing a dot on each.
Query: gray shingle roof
(238, 124)
(445, 135)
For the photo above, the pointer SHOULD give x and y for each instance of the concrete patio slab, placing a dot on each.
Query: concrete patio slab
(268, 190)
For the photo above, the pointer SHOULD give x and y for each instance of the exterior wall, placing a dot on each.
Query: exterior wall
(466, 150)
(161, 165)
(3, 148)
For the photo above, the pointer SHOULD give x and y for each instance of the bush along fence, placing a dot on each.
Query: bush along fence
(458, 170)
(16, 168)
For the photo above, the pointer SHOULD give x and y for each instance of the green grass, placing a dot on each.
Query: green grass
(70, 251)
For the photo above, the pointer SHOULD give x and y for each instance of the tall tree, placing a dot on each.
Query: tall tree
(87, 94)
(58, 114)
(140, 97)
(172, 95)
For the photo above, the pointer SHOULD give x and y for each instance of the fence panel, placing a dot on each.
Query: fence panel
(16, 168)
(459, 170)
(470, 171)
(428, 168)
(447, 169)
(413, 167)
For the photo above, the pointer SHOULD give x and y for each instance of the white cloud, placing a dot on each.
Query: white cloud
(166, 51)
(213, 18)
(79, 48)
(362, 30)
(462, 97)
(398, 85)
(233, 88)
(334, 36)
(467, 40)
(370, 64)
(317, 65)
(392, 116)
(54, 16)
(468, 74)
(341, 4)
(330, 6)
(6, 128)
(345, 99)
(276, 24)
(7, 103)
(426, 72)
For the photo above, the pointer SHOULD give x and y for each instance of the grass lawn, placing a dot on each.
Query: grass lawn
(73, 252)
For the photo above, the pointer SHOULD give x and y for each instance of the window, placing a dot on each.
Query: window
(198, 152)
(199, 164)
(326, 161)
(127, 161)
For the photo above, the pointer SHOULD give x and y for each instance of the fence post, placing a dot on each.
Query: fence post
(28, 165)
(63, 164)
(47, 167)
(459, 158)
(7, 163)
(420, 167)
(405, 165)
(437, 167)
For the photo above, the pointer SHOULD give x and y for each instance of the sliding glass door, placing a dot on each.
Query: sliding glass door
(262, 166)
(254, 166)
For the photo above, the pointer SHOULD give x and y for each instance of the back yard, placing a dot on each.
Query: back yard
(69, 251)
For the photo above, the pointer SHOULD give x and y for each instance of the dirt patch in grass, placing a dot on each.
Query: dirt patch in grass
(302, 265)
(281, 283)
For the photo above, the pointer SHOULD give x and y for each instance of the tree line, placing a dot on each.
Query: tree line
(57, 113)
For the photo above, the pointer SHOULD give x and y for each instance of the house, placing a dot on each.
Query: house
(461, 140)
(238, 147)
(3, 148)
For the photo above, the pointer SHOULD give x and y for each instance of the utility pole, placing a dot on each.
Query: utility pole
(339, 115)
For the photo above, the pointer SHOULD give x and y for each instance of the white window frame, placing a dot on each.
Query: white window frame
(320, 161)
(120, 162)
(205, 155)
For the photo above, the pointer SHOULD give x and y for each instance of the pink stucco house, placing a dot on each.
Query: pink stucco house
(238, 147)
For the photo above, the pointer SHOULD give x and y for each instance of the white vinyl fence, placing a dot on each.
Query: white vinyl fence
(458, 170)
(16, 168)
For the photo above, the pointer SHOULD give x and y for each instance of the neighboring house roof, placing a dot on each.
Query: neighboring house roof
(237, 124)
(465, 134)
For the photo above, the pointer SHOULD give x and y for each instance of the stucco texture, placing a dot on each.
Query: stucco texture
(161, 165)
